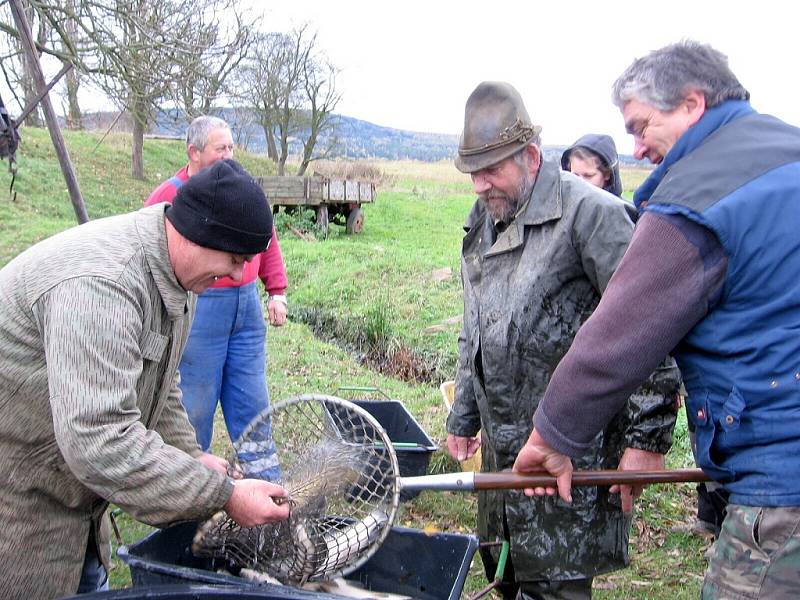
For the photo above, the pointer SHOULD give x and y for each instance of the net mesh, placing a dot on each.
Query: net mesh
(340, 471)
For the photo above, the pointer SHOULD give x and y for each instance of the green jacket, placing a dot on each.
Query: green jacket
(525, 297)
(92, 326)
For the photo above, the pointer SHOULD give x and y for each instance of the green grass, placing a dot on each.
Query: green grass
(376, 288)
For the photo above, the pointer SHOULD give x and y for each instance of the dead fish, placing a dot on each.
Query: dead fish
(258, 577)
(299, 559)
(343, 544)
(349, 589)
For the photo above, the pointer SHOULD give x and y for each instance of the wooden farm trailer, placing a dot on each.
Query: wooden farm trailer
(333, 200)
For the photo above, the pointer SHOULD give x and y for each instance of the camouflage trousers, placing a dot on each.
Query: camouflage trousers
(757, 555)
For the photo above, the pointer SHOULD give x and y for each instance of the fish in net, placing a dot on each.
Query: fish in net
(337, 465)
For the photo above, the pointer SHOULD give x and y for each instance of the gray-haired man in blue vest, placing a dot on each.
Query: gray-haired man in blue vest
(712, 276)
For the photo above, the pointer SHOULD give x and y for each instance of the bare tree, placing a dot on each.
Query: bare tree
(16, 66)
(72, 80)
(269, 81)
(205, 74)
(291, 88)
(319, 86)
(244, 118)
(140, 52)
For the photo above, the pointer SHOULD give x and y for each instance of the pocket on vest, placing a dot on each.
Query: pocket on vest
(702, 412)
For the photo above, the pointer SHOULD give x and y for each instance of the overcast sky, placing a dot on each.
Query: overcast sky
(411, 64)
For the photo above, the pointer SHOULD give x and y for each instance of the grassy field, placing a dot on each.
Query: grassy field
(392, 291)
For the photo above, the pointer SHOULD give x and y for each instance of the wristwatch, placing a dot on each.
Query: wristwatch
(279, 298)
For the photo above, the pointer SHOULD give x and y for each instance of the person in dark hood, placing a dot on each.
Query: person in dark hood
(594, 159)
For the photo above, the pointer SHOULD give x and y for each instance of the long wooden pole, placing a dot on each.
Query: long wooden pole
(469, 481)
(513, 481)
(49, 114)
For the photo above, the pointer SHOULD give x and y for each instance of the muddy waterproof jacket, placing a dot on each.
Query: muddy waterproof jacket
(92, 326)
(525, 296)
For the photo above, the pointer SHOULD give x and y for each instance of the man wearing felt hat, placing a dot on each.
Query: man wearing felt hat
(93, 322)
(540, 248)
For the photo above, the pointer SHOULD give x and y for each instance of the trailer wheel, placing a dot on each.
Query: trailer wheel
(355, 221)
(322, 219)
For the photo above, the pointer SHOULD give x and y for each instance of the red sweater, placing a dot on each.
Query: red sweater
(268, 265)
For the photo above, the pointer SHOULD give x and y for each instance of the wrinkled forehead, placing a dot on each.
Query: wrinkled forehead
(636, 114)
(220, 135)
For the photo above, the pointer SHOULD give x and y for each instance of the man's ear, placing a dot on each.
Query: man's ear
(535, 158)
(694, 103)
(192, 152)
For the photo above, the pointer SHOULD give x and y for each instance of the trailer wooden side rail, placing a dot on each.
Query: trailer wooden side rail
(333, 200)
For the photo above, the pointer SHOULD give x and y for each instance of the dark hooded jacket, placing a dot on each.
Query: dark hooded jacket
(604, 147)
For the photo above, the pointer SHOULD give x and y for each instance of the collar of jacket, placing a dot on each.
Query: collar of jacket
(712, 119)
(543, 205)
(153, 237)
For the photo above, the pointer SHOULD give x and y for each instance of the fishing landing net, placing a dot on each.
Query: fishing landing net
(339, 468)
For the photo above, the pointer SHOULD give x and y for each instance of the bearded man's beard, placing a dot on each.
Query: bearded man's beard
(502, 206)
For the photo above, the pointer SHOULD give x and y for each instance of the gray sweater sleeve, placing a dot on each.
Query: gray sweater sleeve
(667, 281)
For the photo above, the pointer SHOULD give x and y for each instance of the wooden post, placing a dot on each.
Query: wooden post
(49, 114)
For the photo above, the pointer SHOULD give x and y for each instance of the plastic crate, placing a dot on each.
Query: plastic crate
(409, 562)
(412, 446)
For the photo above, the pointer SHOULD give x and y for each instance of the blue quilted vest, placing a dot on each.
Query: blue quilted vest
(741, 363)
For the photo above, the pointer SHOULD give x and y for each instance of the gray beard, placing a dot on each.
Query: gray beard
(503, 207)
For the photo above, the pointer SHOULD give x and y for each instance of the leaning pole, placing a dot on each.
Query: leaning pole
(49, 114)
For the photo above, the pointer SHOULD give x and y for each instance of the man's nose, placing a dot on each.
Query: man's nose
(227, 153)
(480, 183)
(639, 149)
(236, 272)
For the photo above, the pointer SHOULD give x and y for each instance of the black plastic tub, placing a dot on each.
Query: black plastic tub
(412, 446)
(409, 562)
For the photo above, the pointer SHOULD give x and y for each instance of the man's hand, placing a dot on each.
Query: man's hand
(219, 464)
(252, 503)
(277, 313)
(536, 456)
(633, 460)
(462, 448)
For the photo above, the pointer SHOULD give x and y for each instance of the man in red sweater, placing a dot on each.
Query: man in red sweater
(225, 358)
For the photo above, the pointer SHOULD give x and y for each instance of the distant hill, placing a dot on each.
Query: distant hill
(355, 139)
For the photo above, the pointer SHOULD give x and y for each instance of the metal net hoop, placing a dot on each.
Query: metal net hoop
(341, 472)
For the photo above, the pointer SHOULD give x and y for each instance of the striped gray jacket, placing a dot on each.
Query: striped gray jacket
(92, 325)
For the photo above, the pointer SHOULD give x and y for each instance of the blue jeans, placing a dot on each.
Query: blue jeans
(225, 361)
